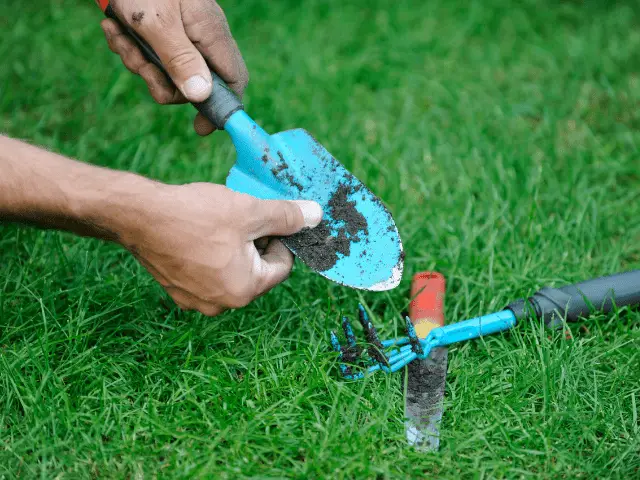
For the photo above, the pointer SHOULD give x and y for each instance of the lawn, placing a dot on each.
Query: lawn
(504, 137)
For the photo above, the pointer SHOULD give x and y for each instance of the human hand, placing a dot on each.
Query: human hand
(187, 35)
(208, 246)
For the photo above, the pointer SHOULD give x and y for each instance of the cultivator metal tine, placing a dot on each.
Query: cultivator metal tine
(348, 332)
(412, 350)
(346, 354)
(404, 349)
(414, 341)
(375, 348)
(335, 343)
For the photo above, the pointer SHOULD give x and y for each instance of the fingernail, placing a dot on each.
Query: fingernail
(311, 211)
(196, 87)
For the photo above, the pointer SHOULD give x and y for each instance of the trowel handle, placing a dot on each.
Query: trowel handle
(217, 108)
(579, 300)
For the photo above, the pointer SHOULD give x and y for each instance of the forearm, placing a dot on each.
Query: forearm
(51, 191)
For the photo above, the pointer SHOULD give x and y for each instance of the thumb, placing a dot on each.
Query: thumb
(284, 217)
(182, 60)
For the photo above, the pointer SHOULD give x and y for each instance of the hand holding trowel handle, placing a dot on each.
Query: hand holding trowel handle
(184, 38)
(208, 246)
(357, 243)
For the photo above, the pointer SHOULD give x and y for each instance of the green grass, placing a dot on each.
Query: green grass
(505, 138)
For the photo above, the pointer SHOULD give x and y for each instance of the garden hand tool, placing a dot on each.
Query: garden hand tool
(357, 243)
(425, 379)
(552, 305)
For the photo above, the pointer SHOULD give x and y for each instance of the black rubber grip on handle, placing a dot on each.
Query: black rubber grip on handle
(579, 300)
(222, 102)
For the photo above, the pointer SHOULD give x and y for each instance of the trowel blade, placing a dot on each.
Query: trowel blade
(357, 243)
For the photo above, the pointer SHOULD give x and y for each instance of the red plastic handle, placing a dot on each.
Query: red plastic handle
(103, 4)
(426, 310)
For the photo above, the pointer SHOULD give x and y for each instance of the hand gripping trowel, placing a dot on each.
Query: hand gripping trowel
(357, 243)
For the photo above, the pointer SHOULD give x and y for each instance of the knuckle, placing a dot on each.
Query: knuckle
(248, 209)
(244, 77)
(160, 96)
(182, 305)
(130, 63)
(212, 31)
(210, 310)
(160, 93)
(289, 218)
(205, 16)
(240, 296)
(221, 263)
(281, 278)
(112, 47)
(181, 59)
(240, 301)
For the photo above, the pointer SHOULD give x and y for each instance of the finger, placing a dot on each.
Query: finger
(166, 35)
(283, 217)
(210, 310)
(187, 301)
(207, 27)
(202, 125)
(161, 89)
(183, 299)
(276, 265)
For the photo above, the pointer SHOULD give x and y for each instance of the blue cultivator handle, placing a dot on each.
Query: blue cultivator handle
(404, 350)
(549, 304)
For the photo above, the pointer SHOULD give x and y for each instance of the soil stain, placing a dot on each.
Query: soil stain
(137, 17)
(292, 181)
(278, 171)
(351, 354)
(318, 246)
(427, 379)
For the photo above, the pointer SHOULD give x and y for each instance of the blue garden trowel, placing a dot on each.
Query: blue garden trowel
(357, 243)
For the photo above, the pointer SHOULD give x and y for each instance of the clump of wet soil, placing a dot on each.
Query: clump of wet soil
(343, 209)
(318, 246)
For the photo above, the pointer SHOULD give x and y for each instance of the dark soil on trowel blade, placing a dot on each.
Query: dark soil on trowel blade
(343, 209)
(318, 247)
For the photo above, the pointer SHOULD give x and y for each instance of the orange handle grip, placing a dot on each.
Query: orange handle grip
(426, 310)
(103, 4)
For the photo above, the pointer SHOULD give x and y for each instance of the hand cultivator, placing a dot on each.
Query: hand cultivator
(391, 355)
(552, 305)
